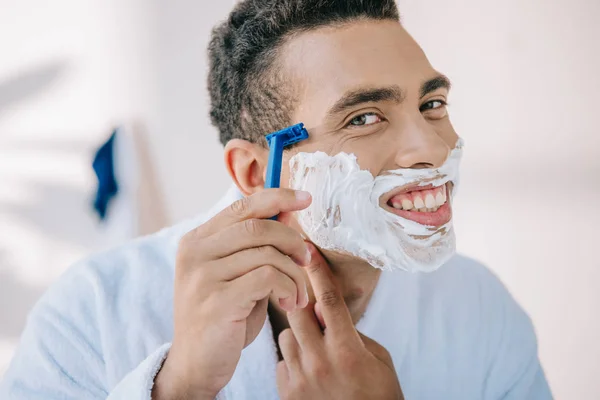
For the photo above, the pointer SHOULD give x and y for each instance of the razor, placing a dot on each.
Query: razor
(278, 141)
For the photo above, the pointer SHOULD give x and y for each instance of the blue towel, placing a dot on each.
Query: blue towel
(105, 172)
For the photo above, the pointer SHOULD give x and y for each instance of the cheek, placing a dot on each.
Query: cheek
(371, 160)
(448, 133)
(285, 174)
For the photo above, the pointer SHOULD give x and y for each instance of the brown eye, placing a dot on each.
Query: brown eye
(433, 105)
(365, 119)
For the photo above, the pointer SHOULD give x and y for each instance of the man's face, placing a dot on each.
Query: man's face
(367, 88)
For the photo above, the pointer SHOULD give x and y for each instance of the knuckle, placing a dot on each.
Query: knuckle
(254, 227)
(286, 336)
(266, 251)
(185, 242)
(184, 258)
(329, 298)
(240, 207)
(269, 273)
(187, 237)
(192, 242)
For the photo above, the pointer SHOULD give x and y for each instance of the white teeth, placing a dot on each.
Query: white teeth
(419, 203)
(429, 201)
(407, 204)
(397, 206)
(439, 199)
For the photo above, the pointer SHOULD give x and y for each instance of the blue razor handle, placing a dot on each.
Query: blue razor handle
(277, 142)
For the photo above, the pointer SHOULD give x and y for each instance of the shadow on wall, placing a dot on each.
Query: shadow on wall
(52, 214)
(29, 83)
(55, 208)
(16, 298)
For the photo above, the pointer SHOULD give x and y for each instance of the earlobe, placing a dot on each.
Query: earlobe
(246, 163)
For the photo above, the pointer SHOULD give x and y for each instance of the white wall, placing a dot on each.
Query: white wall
(69, 70)
(193, 173)
(526, 80)
(525, 76)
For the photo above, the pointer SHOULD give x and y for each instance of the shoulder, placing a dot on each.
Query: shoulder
(88, 323)
(144, 260)
(123, 281)
(466, 286)
(482, 311)
(137, 275)
(468, 282)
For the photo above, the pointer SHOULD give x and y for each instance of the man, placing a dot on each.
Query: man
(236, 306)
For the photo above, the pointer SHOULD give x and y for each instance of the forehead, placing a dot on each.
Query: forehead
(327, 62)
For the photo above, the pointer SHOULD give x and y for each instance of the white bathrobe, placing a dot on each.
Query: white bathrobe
(103, 330)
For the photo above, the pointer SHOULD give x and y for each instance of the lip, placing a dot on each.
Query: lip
(434, 219)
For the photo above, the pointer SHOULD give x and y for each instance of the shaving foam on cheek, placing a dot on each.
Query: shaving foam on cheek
(345, 215)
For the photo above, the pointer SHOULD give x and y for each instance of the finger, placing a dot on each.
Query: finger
(240, 263)
(290, 350)
(264, 204)
(244, 292)
(336, 316)
(307, 331)
(256, 233)
(283, 379)
(319, 316)
(377, 350)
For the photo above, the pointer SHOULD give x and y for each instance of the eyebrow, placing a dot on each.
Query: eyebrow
(389, 93)
(367, 95)
(439, 82)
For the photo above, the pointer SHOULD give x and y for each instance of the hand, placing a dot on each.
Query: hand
(337, 363)
(226, 270)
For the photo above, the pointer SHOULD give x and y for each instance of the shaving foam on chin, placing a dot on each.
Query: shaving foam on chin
(345, 215)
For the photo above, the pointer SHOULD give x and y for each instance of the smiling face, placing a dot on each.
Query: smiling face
(382, 156)
(366, 88)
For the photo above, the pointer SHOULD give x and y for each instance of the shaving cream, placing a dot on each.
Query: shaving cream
(345, 215)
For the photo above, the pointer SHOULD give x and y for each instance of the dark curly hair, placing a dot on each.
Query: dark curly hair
(248, 92)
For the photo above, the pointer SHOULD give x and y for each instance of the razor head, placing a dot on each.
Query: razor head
(290, 135)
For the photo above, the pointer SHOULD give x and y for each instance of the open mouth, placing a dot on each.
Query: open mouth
(426, 205)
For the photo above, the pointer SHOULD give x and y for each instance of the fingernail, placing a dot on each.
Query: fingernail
(307, 256)
(305, 296)
(301, 195)
(303, 300)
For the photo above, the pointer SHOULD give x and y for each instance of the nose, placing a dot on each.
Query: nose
(420, 146)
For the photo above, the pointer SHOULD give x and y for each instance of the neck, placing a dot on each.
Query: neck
(356, 279)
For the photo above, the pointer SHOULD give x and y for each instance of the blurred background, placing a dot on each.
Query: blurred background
(525, 80)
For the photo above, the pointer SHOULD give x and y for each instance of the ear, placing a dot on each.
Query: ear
(246, 163)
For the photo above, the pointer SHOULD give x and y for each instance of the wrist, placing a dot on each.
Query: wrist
(172, 383)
